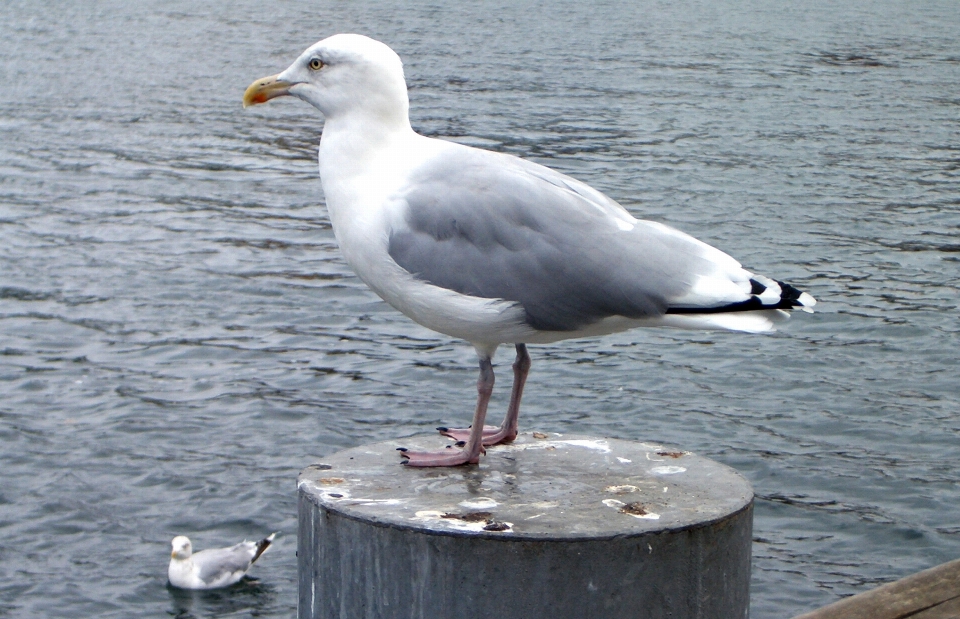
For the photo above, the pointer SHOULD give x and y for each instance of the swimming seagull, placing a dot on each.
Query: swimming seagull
(213, 567)
(494, 249)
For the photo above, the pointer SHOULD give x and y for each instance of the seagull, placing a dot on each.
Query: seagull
(494, 249)
(214, 567)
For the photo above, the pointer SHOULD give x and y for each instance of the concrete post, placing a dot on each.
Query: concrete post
(559, 527)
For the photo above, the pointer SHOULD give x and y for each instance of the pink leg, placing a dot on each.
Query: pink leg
(470, 454)
(507, 431)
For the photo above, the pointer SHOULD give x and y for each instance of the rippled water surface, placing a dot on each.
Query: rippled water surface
(179, 335)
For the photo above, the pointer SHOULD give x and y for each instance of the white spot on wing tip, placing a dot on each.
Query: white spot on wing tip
(770, 296)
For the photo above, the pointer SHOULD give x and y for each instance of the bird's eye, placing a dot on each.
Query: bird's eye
(316, 64)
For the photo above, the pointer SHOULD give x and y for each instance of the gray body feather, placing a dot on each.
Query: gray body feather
(497, 227)
(214, 563)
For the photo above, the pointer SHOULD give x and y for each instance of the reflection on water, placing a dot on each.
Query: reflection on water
(179, 334)
(249, 598)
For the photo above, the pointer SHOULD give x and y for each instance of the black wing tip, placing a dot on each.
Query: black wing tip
(790, 294)
(262, 546)
(791, 297)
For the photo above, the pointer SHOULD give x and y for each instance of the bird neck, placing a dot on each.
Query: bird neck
(350, 141)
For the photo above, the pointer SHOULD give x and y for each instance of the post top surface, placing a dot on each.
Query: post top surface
(541, 486)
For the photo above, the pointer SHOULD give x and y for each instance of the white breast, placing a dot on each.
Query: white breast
(364, 206)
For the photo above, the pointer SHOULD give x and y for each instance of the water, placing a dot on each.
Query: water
(180, 336)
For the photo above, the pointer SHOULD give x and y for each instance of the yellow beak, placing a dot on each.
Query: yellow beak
(264, 89)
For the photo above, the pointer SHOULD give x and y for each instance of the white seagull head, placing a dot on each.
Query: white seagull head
(182, 548)
(343, 75)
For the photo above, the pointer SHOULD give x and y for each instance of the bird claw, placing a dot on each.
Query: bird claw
(438, 458)
(492, 435)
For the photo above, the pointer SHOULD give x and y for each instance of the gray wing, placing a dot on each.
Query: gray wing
(493, 226)
(214, 563)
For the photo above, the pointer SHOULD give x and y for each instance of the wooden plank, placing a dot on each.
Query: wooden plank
(935, 591)
(948, 610)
